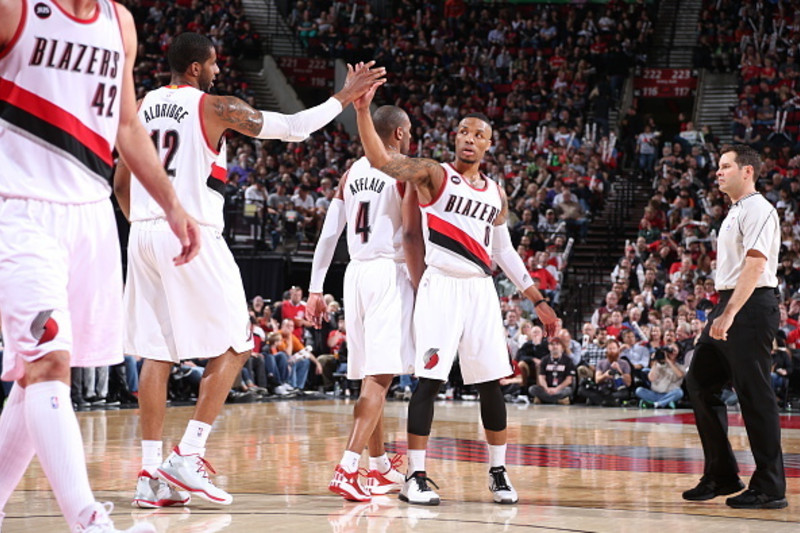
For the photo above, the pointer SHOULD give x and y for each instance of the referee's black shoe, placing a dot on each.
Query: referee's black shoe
(755, 499)
(708, 489)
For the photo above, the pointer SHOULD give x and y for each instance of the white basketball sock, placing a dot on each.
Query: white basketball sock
(416, 461)
(57, 440)
(497, 455)
(350, 461)
(382, 464)
(152, 455)
(194, 438)
(16, 447)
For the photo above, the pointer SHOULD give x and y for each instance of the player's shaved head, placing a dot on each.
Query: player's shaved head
(387, 119)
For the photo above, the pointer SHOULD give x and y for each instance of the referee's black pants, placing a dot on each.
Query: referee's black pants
(745, 359)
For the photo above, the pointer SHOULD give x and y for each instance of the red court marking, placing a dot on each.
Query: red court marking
(589, 457)
(787, 421)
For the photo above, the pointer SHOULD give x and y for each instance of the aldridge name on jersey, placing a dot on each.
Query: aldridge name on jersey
(172, 111)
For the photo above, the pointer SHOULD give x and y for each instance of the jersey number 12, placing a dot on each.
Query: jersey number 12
(168, 144)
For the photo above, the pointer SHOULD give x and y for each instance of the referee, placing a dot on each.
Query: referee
(736, 343)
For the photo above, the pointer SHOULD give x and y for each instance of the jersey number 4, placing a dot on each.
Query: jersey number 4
(362, 222)
(167, 145)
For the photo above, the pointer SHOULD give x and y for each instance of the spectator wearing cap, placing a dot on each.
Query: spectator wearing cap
(556, 376)
(550, 226)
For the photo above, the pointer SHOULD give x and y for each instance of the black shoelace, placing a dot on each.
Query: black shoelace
(499, 479)
(422, 482)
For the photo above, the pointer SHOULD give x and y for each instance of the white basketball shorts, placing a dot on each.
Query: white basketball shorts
(374, 307)
(459, 316)
(60, 283)
(182, 312)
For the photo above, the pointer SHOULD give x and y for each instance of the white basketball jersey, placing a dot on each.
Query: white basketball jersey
(458, 225)
(60, 85)
(173, 117)
(372, 202)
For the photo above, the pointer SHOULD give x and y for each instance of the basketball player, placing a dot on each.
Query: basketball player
(464, 221)
(378, 301)
(66, 97)
(165, 306)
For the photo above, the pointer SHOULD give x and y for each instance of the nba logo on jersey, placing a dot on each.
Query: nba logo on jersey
(431, 358)
(54, 402)
(42, 10)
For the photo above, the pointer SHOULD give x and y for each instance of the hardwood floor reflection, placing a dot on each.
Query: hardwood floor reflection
(576, 469)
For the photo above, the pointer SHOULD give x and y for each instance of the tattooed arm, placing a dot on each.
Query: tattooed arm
(426, 174)
(228, 112)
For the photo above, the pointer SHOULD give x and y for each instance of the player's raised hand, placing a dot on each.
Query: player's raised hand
(316, 310)
(363, 102)
(359, 80)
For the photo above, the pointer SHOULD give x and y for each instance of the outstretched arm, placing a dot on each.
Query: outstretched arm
(228, 112)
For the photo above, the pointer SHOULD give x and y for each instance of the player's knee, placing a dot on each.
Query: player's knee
(493, 406)
(427, 389)
(53, 366)
(420, 408)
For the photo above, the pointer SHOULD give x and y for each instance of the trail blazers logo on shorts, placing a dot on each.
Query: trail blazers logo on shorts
(431, 358)
(44, 328)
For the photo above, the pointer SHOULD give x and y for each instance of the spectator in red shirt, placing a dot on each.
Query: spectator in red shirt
(295, 309)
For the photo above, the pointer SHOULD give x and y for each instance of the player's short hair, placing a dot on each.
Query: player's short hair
(387, 119)
(187, 48)
(745, 156)
(479, 116)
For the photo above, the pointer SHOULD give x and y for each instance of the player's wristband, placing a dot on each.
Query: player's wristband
(537, 302)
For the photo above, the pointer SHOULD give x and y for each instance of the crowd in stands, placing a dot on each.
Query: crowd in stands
(546, 75)
(760, 41)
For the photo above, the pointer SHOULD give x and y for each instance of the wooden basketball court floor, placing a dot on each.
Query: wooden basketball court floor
(576, 468)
